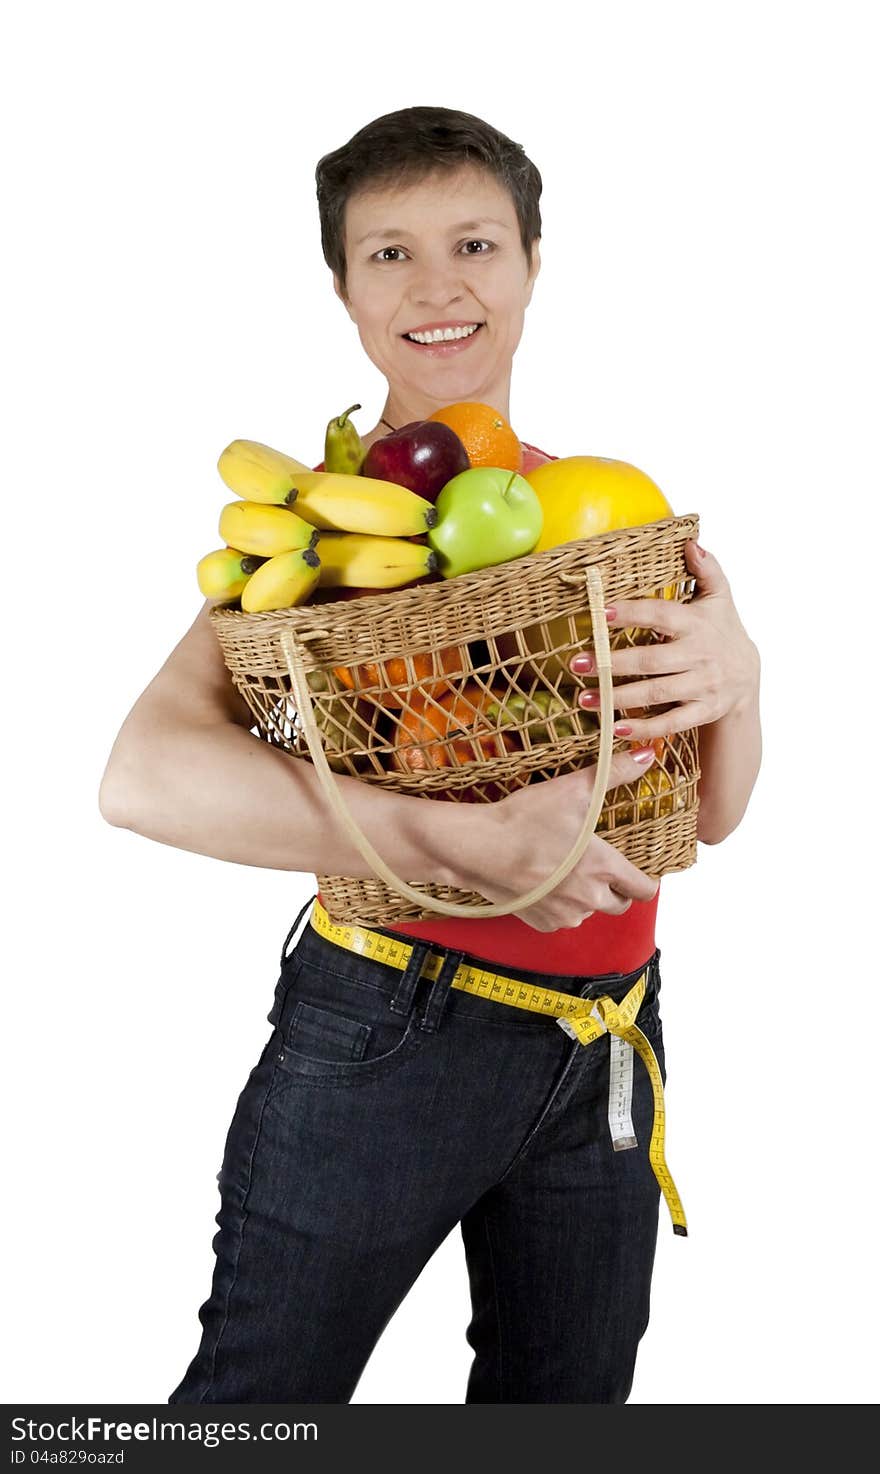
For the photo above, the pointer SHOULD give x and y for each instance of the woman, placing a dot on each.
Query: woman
(387, 1107)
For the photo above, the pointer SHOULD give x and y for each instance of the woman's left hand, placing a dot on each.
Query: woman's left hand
(705, 665)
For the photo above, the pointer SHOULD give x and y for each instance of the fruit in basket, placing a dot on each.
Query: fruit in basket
(455, 729)
(257, 472)
(655, 785)
(485, 516)
(224, 573)
(532, 458)
(519, 709)
(393, 676)
(266, 530)
(344, 723)
(343, 448)
(327, 499)
(658, 743)
(333, 594)
(339, 503)
(583, 496)
(484, 432)
(363, 560)
(282, 581)
(422, 456)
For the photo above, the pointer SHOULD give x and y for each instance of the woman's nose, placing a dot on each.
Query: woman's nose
(438, 289)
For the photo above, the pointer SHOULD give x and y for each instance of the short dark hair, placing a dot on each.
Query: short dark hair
(409, 145)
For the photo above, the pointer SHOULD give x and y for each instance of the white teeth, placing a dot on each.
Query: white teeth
(443, 335)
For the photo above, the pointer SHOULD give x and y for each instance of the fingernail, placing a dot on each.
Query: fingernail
(588, 698)
(622, 729)
(643, 754)
(610, 612)
(701, 551)
(582, 663)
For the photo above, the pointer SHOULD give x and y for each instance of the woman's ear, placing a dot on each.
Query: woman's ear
(337, 287)
(536, 267)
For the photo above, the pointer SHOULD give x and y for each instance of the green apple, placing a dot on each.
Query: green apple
(486, 515)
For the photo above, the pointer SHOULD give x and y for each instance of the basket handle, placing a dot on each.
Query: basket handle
(302, 695)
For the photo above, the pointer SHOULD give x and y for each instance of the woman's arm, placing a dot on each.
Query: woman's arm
(216, 789)
(187, 771)
(730, 760)
(705, 672)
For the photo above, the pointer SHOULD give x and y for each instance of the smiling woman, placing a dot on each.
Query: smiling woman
(397, 206)
(435, 239)
(389, 1101)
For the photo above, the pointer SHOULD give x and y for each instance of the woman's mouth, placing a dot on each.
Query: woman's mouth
(446, 343)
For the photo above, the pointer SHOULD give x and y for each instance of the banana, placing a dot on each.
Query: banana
(282, 581)
(264, 530)
(257, 472)
(333, 500)
(224, 573)
(363, 560)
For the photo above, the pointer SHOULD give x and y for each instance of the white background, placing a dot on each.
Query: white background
(707, 310)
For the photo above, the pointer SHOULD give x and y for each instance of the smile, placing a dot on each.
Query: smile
(445, 342)
(444, 335)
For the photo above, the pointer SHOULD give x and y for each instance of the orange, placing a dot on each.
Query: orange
(484, 433)
(462, 736)
(393, 673)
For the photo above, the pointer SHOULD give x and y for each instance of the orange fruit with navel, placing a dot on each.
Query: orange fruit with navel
(484, 432)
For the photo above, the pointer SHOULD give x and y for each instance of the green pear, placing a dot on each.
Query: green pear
(518, 708)
(486, 515)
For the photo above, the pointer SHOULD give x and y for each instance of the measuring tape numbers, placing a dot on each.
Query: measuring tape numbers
(583, 1019)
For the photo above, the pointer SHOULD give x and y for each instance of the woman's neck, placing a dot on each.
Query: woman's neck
(402, 409)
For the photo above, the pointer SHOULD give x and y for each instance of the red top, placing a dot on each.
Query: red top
(601, 943)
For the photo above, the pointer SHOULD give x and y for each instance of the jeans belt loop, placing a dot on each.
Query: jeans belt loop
(440, 989)
(294, 927)
(406, 989)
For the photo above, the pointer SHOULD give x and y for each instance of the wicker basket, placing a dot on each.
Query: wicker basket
(460, 690)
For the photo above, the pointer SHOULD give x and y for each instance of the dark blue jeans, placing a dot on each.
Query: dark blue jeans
(384, 1110)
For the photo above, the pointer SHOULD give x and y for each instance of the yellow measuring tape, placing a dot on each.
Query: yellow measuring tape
(583, 1019)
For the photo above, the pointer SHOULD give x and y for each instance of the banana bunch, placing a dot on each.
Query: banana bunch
(294, 528)
(228, 575)
(328, 499)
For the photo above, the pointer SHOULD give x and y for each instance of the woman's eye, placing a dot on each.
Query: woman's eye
(384, 253)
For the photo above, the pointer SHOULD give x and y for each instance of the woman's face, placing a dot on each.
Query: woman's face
(446, 250)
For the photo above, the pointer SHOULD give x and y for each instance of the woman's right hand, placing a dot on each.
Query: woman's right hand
(538, 827)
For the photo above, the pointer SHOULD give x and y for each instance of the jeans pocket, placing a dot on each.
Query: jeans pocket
(338, 1031)
(324, 1035)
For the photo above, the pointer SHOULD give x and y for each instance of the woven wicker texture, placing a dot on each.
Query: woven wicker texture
(460, 690)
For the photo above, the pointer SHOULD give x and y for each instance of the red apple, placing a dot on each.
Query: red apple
(421, 456)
